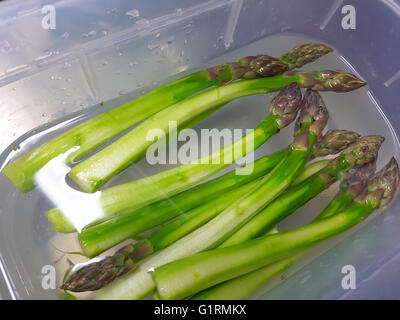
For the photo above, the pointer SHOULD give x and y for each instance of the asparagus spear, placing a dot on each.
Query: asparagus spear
(196, 217)
(98, 130)
(187, 276)
(243, 286)
(101, 237)
(92, 173)
(138, 283)
(125, 198)
(92, 272)
(91, 276)
(94, 275)
(124, 227)
(362, 151)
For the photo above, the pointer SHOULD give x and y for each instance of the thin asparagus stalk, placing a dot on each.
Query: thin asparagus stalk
(124, 227)
(93, 276)
(362, 151)
(193, 219)
(187, 276)
(138, 283)
(98, 130)
(125, 198)
(102, 237)
(92, 173)
(243, 286)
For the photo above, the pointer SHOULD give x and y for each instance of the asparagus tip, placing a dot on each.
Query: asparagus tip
(286, 104)
(382, 187)
(94, 275)
(303, 54)
(313, 114)
(334, 141)
(356, 178)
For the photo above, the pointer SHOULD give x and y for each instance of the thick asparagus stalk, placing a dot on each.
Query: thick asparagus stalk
(125, 198)
(98, 130)
(362, 151)
(92, 173)
(187, 276)
(138, 283)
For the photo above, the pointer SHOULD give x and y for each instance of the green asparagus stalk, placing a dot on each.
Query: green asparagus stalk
(361, 152)
(138, 283)
(98, 130)
(243, 286)
(196, 217)
(93, 276)
(187, 276)
(92, 173)
(125, 198)
(101, 237)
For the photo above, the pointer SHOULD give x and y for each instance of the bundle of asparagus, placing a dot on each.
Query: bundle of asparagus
(221, 231)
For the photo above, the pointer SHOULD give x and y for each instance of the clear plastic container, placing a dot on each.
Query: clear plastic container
(104, 53)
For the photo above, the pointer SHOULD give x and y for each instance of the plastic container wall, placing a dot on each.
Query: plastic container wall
(101, 50)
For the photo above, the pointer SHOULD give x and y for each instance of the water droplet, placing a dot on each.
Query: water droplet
(43, 114)
(52, 77)
(68, 79)
(65, 35)
(67, 65)
(142, 22)
(134, 13)
(63, 102)
(286, 29)
(182, 53)
(104, 33)
(92, 32)
(170, 39)
(104, 63)
(114, 10)
(58, 78)
(119, 54)
(13, 89)
(152, 46)
(157, 35)
(185, 41)
(5, 46)
(179, 11)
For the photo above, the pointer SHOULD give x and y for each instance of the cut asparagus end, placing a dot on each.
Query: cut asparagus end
(303, 54)
(334, 141)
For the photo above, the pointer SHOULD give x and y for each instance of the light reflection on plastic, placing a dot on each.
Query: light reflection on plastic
(78, 207)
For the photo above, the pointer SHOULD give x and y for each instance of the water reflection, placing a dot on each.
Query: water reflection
(78, 207)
